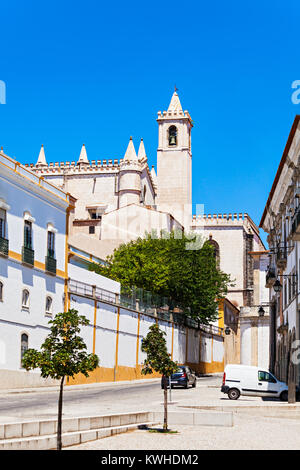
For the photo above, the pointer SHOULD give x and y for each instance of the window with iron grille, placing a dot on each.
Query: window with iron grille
(2, 223)
(27, 234)
(51, 245)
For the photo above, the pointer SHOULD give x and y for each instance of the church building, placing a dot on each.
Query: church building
(120, 200)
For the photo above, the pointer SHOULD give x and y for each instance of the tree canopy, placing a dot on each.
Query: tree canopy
(63, 352)
(169, 266)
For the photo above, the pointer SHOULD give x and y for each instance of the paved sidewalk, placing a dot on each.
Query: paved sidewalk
(248, 433)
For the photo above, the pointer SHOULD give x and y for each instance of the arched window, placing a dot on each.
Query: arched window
(173, 136)
(25, 299)
(216, 247)
(24, 344)
(48, 305)
(1, 291)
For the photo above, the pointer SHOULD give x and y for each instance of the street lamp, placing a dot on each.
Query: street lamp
(277, 286)
(261, 311)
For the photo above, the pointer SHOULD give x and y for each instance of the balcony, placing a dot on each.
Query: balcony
(50, 264)
(295, 230)
(281, 256)
(270, 277)
(3, 246)
(28, 256)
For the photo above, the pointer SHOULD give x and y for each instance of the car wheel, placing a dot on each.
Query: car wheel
(194, 384)
(284, 395)
(233, 393)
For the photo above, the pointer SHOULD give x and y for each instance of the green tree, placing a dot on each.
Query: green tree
(158, 360)
(63, 354)
(172, 266)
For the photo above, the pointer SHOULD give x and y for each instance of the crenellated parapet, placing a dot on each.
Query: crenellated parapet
(93, 166)
(131, 165)
(221, 219)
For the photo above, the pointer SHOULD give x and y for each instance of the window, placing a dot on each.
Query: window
(173, 136)
(216, 248)
(1, 291)
(25, 299)
(27, 234)
(51, 244)
(24, 345)
(266, 377)
(2, 223)
(48, 305)
(285, 295)
(91, 229)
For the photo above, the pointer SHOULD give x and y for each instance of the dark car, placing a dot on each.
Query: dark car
(182, 378)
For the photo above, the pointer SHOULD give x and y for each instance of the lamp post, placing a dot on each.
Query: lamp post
(261, 311)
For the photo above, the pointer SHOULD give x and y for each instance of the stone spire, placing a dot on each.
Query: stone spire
(130, 153)
(175, 104)
(153, 174)
(83, 155)
(42, 158)
(142, 152)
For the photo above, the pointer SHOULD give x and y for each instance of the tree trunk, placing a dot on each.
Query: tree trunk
(59, 418)
(165, 406)
(291, 384)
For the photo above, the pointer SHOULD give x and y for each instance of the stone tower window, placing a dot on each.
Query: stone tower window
(173, 136)
(216, 247)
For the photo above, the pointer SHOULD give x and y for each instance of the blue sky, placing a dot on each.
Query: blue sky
(96, 73)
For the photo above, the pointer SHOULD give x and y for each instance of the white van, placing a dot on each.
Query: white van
(253, 381)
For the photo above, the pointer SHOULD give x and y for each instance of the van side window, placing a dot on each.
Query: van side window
(265, 377)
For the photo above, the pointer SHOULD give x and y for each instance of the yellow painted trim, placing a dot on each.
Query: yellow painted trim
(137, 340)
(221, 314)
(117, 339)
(105, 374)
(207, 367)
(200, 338)
(67, 299)
(94, 328)
(37, 264)
(15, 256)
(40, 178)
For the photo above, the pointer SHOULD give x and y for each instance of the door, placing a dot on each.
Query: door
(267, 384)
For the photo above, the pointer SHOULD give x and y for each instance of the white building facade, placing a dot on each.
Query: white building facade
(33, 244)
(281, 221)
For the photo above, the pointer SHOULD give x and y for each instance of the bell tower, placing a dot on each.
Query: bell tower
(174, 162)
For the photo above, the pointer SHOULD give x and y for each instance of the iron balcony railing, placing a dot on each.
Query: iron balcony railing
(50, 264)
(3, 246)
(28, 256)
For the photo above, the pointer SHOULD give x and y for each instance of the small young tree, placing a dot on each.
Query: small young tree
(158, 360)
(62, 354)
